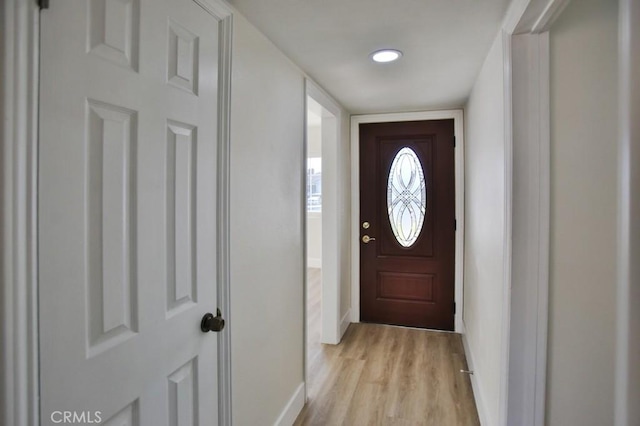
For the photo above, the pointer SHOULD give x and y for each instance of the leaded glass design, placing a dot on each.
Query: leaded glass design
(406, 197)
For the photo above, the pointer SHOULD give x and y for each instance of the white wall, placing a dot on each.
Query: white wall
(267, 130)
(267, 187)
(580, 370)
(484, 231)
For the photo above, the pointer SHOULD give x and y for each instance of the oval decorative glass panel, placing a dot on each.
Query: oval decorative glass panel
(406, 197)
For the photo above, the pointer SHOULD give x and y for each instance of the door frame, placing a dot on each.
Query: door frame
(19, 76)
(18, 285)
(523, 374)
(627, 386)
(356, 120)
(330, 311)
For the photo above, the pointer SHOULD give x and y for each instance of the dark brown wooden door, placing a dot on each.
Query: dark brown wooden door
(407, 269)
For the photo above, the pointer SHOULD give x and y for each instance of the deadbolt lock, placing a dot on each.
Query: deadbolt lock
(365, 225)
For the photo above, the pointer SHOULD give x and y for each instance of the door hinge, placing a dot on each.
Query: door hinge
(44, 4)
(454, 141)
(455, 224)
(454, 308)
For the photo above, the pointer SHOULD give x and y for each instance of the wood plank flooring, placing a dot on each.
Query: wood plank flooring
(383, 375)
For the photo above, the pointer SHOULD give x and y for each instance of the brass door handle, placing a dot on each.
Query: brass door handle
(367, 238)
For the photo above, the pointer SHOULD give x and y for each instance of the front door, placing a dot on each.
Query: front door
(127, 213)
(407, 223)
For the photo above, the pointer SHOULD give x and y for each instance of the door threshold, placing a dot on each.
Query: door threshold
(433, 330)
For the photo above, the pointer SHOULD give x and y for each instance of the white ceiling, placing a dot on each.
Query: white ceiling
(444, 43)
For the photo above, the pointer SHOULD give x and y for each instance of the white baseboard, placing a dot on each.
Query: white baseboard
(314, 262)
(293, 408)
(477, 395)
(344, 323)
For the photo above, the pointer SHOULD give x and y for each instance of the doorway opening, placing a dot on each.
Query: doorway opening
(323, 324)
(314, 236)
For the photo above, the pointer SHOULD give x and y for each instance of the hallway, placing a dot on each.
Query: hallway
(383, 375)
(139, 283)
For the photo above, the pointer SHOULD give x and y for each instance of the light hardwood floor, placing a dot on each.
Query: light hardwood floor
(384, 375)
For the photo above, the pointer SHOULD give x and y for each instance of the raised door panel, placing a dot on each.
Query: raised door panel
(114, 30)
(394, 286)
(183, 58)
(111, 195)
(183, 395)
(128, 416)
(182, 175)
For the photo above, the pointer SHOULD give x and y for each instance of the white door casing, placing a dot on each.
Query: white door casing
(332, 326)
(526, 297)
(128, 210)
(627, 409)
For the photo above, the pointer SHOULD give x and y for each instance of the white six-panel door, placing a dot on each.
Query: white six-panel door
(127, 211)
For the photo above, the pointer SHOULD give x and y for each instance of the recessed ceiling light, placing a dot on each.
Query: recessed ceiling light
(386, 55)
